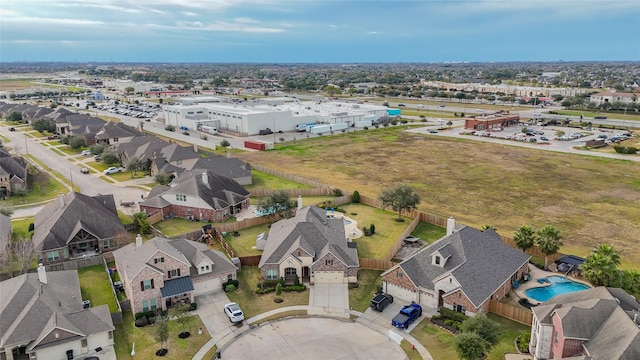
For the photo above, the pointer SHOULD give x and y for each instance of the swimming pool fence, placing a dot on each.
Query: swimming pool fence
(521, 315)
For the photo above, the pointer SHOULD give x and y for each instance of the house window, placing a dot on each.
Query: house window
(110, 335)
(53, 255)
(272, 274)
(83, 343)
(105, 244)
(437, 260)
(146, 285)
(145, 305)
(178, 162)
(206, 267)
(173, 273)
(65, 253)
(115, 139)
(181, 197)
(229, 277)
(289, 271)
(154, 304)
(328, 262)
(399, 274)
(556, 338)
(201, 268)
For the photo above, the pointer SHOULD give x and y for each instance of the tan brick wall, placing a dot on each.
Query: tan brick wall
(459, 298)
(399, 278)
(263, 270)
(321, 265)
(169, 263)
(138, 295)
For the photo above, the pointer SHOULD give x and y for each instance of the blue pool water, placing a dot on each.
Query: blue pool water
(559, 285)
(346, 222)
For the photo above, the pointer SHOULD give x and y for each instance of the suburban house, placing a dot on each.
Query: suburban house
(627, 99)
(112, 133)
(76, 225)
(598, 323)
(311, 246)
(160, 273)
(197, 194)
(43, 317)
(462, 271)
(13, 173)
(172, 158)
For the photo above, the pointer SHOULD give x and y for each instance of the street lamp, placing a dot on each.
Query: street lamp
(26, 144)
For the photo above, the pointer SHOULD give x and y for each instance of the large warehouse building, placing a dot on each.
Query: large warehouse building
(278, 114)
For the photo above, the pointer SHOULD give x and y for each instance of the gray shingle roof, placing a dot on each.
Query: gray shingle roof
(478, 260)
(195, 252)
(313, 232)
(56, 224)
(176, 286)
(131, 259)
(29, 309)
(602, 317)
(112, 130)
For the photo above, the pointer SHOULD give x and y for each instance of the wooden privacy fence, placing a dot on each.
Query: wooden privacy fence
(152, 219)
(398, 244)
(253, 260)
(295, 178)
(375, 264)
(294, 192)
(521, 315)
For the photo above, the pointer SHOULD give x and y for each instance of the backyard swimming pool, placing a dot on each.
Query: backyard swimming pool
(559, 285)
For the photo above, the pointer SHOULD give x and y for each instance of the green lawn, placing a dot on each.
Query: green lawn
(428, 232)
(253, 304)
(39, 191)
(20, 227)
(263, 180)
(178, 226)
(146, 345)
(388, 230)
(95, 286)
(127, 175)
(242, 245)
(413, 354)
(359, 298)
(440, 342)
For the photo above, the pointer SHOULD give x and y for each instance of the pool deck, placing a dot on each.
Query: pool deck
(536, 274)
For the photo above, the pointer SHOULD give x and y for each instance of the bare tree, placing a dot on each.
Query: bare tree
(18, 257)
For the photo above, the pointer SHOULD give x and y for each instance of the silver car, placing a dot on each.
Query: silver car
(234, 312)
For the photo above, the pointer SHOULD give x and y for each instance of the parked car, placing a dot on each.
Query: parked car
(266, 131)
(381, 301)
(602, 136)
(52, 137)
(402, 105)
(406, 316)
(432, 131)
(234, 312)
(12, 129)
(85, 152)
(113, 170)
(97, 157)
(601, 117)
(84, 170)
(544, 138)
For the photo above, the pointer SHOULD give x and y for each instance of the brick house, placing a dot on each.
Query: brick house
(160, 273)
(197, 194)
(598, 323)
(310, 246)
(76, 225)
(488, 122)
(462, 271)
(13, 173)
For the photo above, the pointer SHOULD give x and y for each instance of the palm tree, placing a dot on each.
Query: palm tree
(599, 269)
(549, 242)
(610, 251)
(525, 237)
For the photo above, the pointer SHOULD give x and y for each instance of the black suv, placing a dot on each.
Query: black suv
(381, 301)
(266, 131)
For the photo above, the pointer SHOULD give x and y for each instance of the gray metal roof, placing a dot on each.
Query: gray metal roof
(311, 231)
(478, 260)
(177, 286)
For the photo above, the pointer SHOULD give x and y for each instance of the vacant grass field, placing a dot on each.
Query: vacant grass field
(253, 304)
(263, 180)
(95, 286)
(591, 200)
(146, 345)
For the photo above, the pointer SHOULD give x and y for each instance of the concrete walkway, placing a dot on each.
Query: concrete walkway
(320, 305)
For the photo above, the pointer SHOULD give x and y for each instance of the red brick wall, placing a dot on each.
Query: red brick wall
(564, 347)
(182, 212)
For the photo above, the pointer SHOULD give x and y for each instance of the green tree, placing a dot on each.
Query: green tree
(97, 148)
(134, 164)
(277, 203)
(141, 222)
(225, 143)
(14, 117)
(469, 346)
(110, 157)
(355, 197)
(609, 251)
(481, 325)
(76, 142)
(42, 125)
(129, 90)
(162, 331)
(399, 198)
(525, 237)
(599, 269)
(549, 242)
(182, 316)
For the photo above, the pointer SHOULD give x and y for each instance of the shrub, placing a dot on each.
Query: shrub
(625, 149)
(355, 198)
(229, 288)
(337, 192)
(265, 290)
(453, 315)
(141, 322)
(170, 128)
(296, 281)
(278, 289)
(193, 306)
(145, 314)
(523, 343)
(372, 229)
(235, 283)
(294, 288)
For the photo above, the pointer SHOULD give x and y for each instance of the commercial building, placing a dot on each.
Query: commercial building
(497, 121)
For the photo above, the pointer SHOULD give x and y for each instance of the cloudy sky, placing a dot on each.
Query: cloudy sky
(345, 31)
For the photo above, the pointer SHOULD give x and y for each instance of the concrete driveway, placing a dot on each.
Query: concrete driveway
(328, 298)
(384, 318)
(313, 338)
(211, 311)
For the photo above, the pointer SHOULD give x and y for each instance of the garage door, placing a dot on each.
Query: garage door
(401, 293)
(328, 277)
(207, 286)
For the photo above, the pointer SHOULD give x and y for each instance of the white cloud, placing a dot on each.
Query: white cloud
(188, 13)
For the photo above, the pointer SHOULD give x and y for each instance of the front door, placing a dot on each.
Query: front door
(305, 271)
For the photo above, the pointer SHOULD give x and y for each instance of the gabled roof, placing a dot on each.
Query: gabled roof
(216, 191)
(112, 130)
(603, 318)
(60, 220)
(12, 165)
(132, 259)
(29, 309)
(229, 167)
(141, 147)
(175, 152)
(478, 260)
(312, 231)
